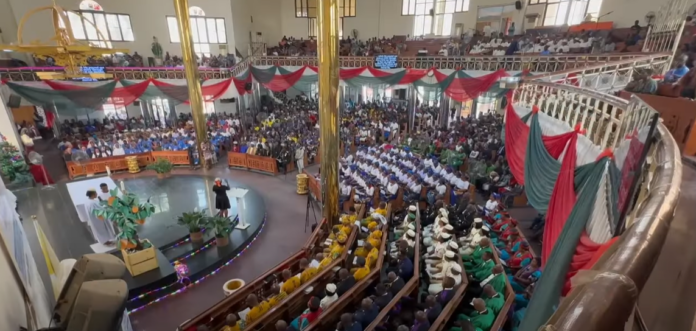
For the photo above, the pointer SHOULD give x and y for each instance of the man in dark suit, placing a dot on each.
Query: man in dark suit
(346, 281)
(405, 266)
(394, 283)
(421, 323)
(433, 309)
(367, 313)
(382, 296)
(448, 292)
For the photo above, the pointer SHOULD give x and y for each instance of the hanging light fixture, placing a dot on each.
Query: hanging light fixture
(510, 82)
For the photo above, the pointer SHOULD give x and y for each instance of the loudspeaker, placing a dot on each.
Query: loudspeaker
(518, 4)
(230, 100)
(247, 86)
(432, 12)
(14, 101)
(136, 103)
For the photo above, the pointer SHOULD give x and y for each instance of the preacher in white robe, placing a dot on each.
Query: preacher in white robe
(102, 230)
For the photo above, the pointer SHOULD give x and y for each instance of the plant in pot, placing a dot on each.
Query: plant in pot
(127, 212)
(223, 227)
(161, 166)
(195, 222)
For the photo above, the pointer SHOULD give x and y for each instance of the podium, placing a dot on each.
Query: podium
(239, 193)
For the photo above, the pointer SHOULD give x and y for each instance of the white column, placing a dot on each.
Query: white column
(8, 128)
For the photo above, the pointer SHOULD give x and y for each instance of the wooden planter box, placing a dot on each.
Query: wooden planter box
(140, 261)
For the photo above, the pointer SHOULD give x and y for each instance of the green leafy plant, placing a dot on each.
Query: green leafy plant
(12, 164)
(195, 221)
(161, 166)
(221, 225)
(126, 212)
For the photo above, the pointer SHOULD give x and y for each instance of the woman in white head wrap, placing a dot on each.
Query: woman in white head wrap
(330, 297)
(408, 219)
(440, 223)
(468, 249)
(438, 273)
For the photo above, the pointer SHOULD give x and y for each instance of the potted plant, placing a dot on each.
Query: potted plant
(195, 222)
(156, 51)
(161, 166)
(126, 212)
(223, 227)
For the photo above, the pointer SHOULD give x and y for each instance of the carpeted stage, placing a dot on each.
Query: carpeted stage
(171, 197)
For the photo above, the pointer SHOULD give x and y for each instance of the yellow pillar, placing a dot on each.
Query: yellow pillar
(327, 22)
(191, 70)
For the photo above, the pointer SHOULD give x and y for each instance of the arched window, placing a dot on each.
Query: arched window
(91, 18)
(204, 31)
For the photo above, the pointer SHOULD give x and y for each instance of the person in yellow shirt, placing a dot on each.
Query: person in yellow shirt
(372, 257)
(323, 261)
(346, 222)
(362, 271)
(290, 282)
(338, 249)
(258, 309)
(276, 296)
(375, 237)
(364, 250)
(307, 271)
(232, 324)
(382, 209)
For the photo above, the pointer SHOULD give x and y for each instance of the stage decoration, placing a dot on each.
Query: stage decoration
(127, 213)
(196, 282)
(63, 50)
(161, 166)
(182, 272)
(223, 227)
(69, 96)
(12, 164)
(195, 222)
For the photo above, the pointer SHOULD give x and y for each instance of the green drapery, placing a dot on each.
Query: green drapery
(92, 98)
(548, 289)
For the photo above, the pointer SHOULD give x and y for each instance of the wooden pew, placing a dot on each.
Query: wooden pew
(296, 302)
(312, 241)
(98, 166)
(411, 287)
(448, 195)
(262, 164)
(449, 310)
(175, 157)
(236, 160)
(398, 203)
(350, 202)
(216, 315)
(330, 317)
(261, 285)
(509, 297)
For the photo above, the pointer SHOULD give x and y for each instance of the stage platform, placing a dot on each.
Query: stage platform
(171, 197)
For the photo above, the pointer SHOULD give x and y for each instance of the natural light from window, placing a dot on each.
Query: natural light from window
(204, 30)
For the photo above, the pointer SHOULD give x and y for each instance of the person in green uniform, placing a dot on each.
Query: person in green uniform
(482, 318)
(496, 279)
(470, 261)
(494, 300)
(484, 269)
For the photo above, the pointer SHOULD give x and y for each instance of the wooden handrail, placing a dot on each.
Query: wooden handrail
(356, 292)
(409, 287)
(311, 241)
(278, 311)
(451, 306)
(222, 307)
(509, 295)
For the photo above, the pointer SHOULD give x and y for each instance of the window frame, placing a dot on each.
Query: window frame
(304, 8)
(316, 28)
(465, 6)
(106, 34)
(206, 29)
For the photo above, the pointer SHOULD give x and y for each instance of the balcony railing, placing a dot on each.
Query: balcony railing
(609, 292)
(608, 76)
(533, 63)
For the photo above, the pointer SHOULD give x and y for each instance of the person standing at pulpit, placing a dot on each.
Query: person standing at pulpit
(222, 202)
(299, 158)
(101, 229)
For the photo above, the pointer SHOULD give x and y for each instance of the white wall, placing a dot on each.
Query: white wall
(148, 19)
(625, 12)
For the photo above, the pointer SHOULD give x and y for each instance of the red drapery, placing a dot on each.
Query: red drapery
(587, 254)
(516, 137)
(562, 199)
(465, 89)
(121, 95)
(284, 82)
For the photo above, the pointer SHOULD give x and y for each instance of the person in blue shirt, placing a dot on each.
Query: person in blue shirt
(405, 266)
(546, 51)
(680, 69)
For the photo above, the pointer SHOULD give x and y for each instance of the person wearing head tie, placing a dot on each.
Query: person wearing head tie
(222, 202)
